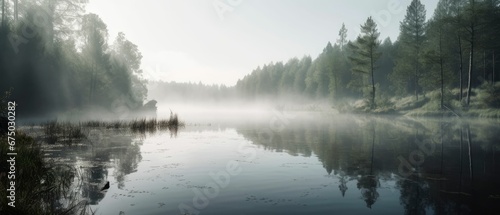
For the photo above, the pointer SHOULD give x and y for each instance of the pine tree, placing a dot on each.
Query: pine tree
(366, 54)
(342, 41)
(412, 38)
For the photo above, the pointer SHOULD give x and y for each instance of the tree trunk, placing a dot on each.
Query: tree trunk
(471, 65)
(493, 72)
(441, 68)
(416, 83)
(416, 73)
(461, 68)
(416, 61)
(471, 54)
(373, 80)
(484, 66)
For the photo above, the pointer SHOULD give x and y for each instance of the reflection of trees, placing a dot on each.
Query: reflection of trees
(414, 194)
(93, 178)
(343, 179)
(113, 146)
(367, 149)
(368, 182)
(126, 162)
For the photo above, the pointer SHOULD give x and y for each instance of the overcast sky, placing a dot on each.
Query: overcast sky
(220, 41)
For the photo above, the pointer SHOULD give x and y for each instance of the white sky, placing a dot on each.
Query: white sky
(189, 40)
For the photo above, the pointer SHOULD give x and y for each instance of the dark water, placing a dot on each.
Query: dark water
(295, 164)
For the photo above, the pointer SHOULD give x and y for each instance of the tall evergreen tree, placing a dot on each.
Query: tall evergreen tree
(366, 54)
(412, 38)
(342, 41)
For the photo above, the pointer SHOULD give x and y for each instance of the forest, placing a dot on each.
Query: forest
(54, 58)
(337, 133)
(450, 57)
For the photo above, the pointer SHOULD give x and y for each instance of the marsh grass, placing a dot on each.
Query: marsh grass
(42, 187)
(152, 125)
(77, 133)
(49, 187)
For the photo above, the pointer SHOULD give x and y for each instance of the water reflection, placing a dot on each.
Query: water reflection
(420, 166)
(441, 167)
(115, 149)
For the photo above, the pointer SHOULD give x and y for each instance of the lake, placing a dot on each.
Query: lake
(292, 163)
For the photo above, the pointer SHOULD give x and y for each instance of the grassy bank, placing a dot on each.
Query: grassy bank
(484, 103)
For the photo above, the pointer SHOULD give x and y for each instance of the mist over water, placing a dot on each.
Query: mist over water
(249, 107)
(216, 113)
(294, 163)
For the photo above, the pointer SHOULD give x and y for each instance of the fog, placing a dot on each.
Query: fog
(249, 107)
(80, 60)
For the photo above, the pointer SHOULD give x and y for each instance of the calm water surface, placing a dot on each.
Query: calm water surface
(294, 164)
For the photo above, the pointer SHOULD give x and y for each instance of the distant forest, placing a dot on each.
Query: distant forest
(55, 58)
(451, 53)
(455, 49)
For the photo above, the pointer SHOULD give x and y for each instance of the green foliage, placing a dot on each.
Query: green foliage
(408, 65)
(342, 41)
(366, 55)
(428, 56)
(490, 95)
(68, 63)
(62, 67)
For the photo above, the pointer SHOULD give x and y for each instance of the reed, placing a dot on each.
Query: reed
(71, 133)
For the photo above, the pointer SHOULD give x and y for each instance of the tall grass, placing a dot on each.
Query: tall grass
(45, 187)
(41, 186)
(484, 103)
(152, 125)
(71, 133)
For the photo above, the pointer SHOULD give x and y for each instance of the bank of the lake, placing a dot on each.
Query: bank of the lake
(484, 103)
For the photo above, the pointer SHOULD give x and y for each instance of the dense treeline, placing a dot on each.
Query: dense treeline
(54, 58)
(183, 92)
(456, 49)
